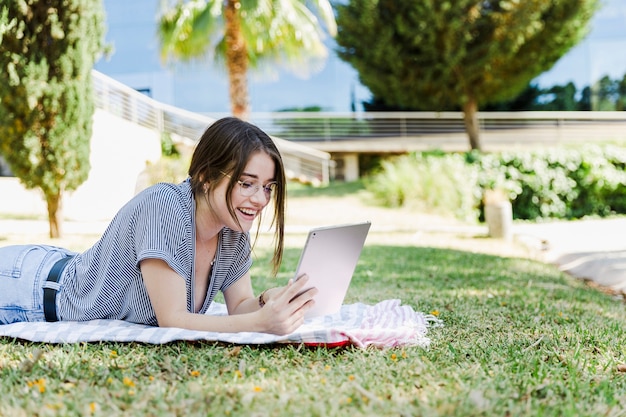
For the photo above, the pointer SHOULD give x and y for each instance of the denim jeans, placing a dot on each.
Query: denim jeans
(23, 272)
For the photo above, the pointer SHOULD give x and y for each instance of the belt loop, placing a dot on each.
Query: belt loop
(50, 294)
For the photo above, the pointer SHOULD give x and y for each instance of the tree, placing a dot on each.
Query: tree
(246, 33)
(563, 98)
(621, 100)
(605, 94)
(432, 54)
(47, 52)
(524, 101)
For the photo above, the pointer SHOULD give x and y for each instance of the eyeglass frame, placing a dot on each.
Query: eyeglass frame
(255, 186)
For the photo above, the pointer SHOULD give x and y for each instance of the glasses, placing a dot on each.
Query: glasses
(250, 188)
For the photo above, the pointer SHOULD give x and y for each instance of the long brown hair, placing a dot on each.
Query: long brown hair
(226, 146)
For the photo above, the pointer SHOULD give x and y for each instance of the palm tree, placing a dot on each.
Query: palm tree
(245, 34)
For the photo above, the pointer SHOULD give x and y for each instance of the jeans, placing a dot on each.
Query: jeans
(23, 272)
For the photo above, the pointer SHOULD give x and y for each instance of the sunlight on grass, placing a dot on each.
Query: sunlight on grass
(519, 338)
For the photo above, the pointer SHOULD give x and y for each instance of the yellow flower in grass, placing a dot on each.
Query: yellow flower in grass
(195, 373)
(128, 382)
(394, 357)
(258, 389)
(40, 384)
(435, 313)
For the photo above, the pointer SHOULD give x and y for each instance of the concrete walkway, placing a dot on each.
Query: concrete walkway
(587, 249)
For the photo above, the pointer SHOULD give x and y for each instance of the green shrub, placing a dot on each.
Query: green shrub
(168, 147)
(551, 183)
(429, 182)
(559, 183)
(166, 169)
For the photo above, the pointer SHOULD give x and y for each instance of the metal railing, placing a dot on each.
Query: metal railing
(301, 162)
(530, 126)
(295, 133)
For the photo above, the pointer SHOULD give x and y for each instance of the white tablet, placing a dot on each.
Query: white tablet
(329, 258)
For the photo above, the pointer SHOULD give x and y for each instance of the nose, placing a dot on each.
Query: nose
(260, 196)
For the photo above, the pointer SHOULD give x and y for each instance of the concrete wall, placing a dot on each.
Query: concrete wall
(119, 152)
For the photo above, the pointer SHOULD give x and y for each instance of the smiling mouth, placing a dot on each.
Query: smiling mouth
(248, 212)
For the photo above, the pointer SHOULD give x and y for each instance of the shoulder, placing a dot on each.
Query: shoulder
(167, 190)
(166, 195)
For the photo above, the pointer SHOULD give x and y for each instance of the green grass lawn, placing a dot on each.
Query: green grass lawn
(520, 338)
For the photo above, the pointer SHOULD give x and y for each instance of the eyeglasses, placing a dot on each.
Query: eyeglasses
(250, 188)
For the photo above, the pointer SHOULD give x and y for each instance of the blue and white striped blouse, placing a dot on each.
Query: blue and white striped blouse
(105, 281)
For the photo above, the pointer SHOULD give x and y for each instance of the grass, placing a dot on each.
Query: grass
(520, 338)
(337, 189)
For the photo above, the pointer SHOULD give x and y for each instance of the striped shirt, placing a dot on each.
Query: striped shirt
(105, 281)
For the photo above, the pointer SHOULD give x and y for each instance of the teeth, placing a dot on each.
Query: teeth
(248, 211)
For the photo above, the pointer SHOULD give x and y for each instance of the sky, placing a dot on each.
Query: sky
(602, 52)
(202, 87)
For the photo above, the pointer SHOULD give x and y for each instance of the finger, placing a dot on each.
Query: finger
(305, 295)
(299, 284)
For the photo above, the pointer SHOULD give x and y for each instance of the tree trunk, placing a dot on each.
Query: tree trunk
(236, 61)
(470, 117)
(55, 217)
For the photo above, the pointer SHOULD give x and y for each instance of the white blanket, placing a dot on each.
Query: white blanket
(386, 324)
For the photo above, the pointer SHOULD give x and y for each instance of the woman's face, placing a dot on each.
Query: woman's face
(258, 174)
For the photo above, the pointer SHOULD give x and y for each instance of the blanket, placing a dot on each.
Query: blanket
(386, 324)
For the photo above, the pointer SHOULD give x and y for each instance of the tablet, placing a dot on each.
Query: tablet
(329, 258)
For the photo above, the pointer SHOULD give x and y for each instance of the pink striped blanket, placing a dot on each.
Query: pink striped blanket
(386, 324)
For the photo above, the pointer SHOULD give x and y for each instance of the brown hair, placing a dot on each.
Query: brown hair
(226, 146)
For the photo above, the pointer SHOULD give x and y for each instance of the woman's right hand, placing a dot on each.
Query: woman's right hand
(286, 306)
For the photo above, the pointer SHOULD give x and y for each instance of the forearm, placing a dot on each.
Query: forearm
(249, 305)
(232, 323)
(252, 304)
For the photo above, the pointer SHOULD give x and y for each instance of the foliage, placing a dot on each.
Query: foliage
(168, 147)
(171, 169)
(559, 183)
(608, 94)
(605, 95)
(428, 182)
(550, 183)
(437, 54)
(245, 34)
(46, 102)
(519, 338)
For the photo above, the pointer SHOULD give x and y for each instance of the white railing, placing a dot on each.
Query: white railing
(531, 126)
(301, 162)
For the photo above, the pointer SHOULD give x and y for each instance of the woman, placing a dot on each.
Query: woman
(170, 249)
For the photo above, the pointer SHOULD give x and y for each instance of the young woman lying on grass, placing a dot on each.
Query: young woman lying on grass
(170, 249)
